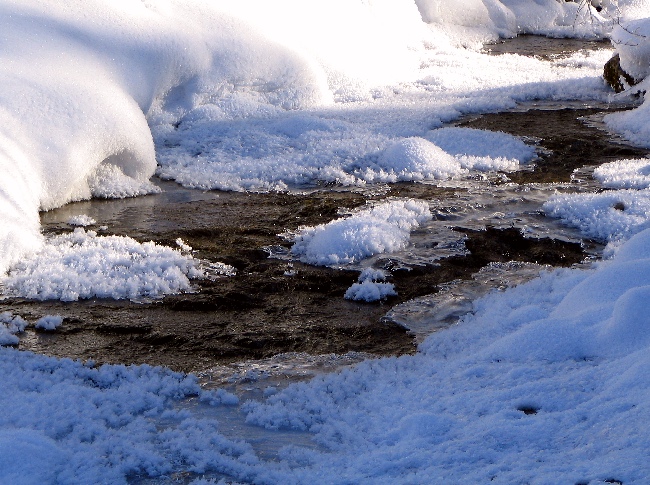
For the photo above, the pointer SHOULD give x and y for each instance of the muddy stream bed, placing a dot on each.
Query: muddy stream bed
(277, 306)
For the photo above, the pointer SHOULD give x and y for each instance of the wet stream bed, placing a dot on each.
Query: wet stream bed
(276, 306)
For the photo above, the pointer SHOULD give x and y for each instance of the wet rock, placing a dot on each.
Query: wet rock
(615, 76)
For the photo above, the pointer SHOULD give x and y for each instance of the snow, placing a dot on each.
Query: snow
(569, 348)
(383, 228)
(542, 383)
(241, 95)
(82, 264)
(624, 174)
(10, 325)
(49, 322)
(81, 220)
(606, 216)
(370, 286)
(632, 42)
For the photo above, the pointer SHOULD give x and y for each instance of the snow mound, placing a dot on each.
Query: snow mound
(10, 325)
(383, 228)
(607, 216)
(481, 149)
(418, 159)
(84, 265)
(624, 174)
(370, 287)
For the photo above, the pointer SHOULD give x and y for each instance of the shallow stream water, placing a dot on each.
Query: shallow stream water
(279, 321)
(488, 231)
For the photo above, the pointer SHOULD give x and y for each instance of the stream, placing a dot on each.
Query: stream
(290, 319)
(278, 321)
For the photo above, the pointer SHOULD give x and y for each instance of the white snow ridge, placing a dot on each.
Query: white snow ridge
(82, 264)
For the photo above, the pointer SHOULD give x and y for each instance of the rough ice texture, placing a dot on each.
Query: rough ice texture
(83, 265)
(383, 228)
(605, 216)
(49, 322)
(624, 174)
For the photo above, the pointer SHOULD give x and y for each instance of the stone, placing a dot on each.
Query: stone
(615, 76)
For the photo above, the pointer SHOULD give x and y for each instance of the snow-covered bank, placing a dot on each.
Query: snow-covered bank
(239, 94)
(632, 42)
(544, 383)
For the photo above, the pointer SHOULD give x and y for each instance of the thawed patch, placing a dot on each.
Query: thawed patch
(81, 265)
(383, 228)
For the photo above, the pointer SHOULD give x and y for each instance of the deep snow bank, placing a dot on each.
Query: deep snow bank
(544, 383)
(79, 81)
(632, 43)
(84, 82)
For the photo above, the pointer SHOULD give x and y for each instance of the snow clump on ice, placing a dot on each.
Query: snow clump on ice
(624, 174)
(606, 216)
(10, 325)
(370, 286)
(83, 265)
(49, 322)
(383, 228)
(81, 220)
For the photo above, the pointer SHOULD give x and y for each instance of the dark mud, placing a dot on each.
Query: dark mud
(262, 311)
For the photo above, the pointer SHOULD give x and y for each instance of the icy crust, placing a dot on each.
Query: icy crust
(383, 228)
(607, 216)
(624, 174)
(544, 383)
(65, 422)
(82, 264)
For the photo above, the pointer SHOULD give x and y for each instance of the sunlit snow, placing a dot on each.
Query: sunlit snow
(543, 383)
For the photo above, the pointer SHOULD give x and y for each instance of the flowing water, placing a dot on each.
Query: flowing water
(488, 232)
(279, 321)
